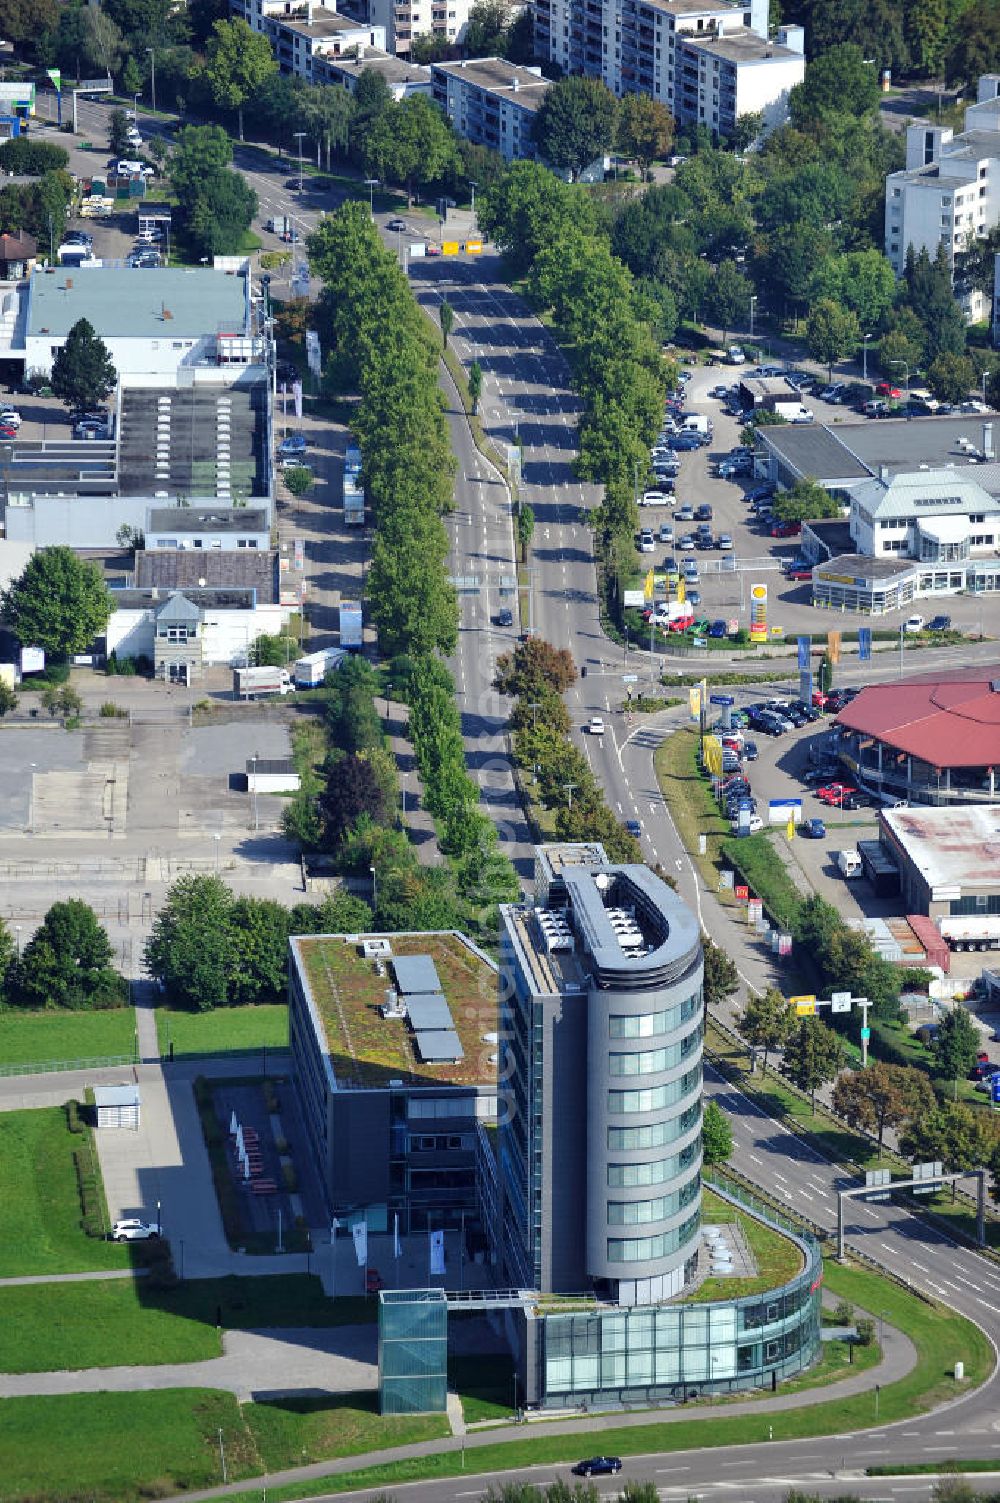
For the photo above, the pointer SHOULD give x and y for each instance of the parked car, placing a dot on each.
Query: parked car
(939, 623)
(653, 498)
(718, 629)
(913, 623)
(834, 793)
(798, 571)
(812, 829)
(785, 529)
(687, 541)
(886, 389)
(725, 542)
(703, 513)
(750, 752)
(293, 443)
(666, 533)
(694, 597)
(755, 824)
(131, 1229)
(634, 828)
(396, 225)
(646, 541)
(505, 617)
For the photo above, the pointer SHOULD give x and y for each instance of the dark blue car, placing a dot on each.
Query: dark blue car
(717, 629)
(812, 829)
(598, 1466)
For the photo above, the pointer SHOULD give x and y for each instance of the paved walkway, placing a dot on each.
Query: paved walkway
(419, 823)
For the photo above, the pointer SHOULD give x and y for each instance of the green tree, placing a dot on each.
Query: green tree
(575, 123)
(446, 316)
(67, 963)
(61, 699)
(353, 788)
(645, 129)
(59, 602)
(951, 377)
(237, 61)
(955, 1045)
(825, 673)
(475, 385)
(813, 1055)
(730, 297)
(188, 947)
(486, 29)
(411, 143)
(897, 349)
(201, 151)
(832, 332)
(837, 82)
(220, 215)
(27, 22)
(525, 529)
(298, 479)
(960, 1136)
(83, 373)
(8, 698)
(257, 951)
(716, 1134)
(767, 1021)
(806, 500)
(533, 668)
(975, 45)
(722, 978)
(882, 1096)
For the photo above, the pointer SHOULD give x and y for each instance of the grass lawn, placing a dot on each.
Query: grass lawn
(47, 1327)
(485, 1385)
(778, 1259)
(692, 807)
(294, 1432)
(40, 1229)
(58, 1037)
(120, 1447)
(223, 1029)
(939, 1335)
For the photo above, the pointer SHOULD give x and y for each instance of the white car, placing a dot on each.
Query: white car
(913, 623)
(666, 533)
(131, 1229)
(595, 725)
(10, 416)
(756, 825)
(653, 498)
(646, 542)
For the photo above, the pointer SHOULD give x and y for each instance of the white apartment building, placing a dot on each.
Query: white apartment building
(304, 34)
(949, 192)
(402, 20)
(491, 102)
(708, 61)
(401, 77)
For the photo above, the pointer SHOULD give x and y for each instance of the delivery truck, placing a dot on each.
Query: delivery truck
(794, 412)
(354, 502)
(313, 668)
(352, 460)
(279, 225)
(256, 683)
(849, 863)
(351, 625)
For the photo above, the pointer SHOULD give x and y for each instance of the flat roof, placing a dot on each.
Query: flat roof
(857, 450)
(392, 69)
(833, 532)
(742, 46)
(207, 519)
(957, 846)
(325, 23)
(416, 973)
(367, 1050)
(219, 568)
(951, 722)
(497, 76)
(168, 302)
(863, 568)
(116, 1095)
(130, 598)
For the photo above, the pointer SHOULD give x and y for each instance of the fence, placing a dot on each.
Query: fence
(60, 1066)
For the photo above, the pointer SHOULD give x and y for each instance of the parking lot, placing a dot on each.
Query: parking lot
(724, 579)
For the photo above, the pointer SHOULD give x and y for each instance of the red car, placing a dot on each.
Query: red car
(834, 793)
(886, 389)
(681, 623)
(7, 430)
(800, 571)
(785, 529)
(373, 1281)
(819, 699)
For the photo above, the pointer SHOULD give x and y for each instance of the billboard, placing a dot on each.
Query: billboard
(758, 613)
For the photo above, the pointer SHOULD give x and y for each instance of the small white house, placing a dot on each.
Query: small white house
(118, 1106)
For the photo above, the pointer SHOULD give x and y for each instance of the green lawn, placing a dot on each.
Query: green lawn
(120, 1447)
(45, 1038)
(40, 1229)
(778, 1259)
(223, 1029)
(291, 1299)
(294, 1432)
(47, 1327)
(485, 1385)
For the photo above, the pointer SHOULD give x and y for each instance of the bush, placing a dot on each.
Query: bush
(298, 479)
(73, 1119)
(843, 1315)
(20, 156)
(110, 711)
(866, 1332)
(89, 1190)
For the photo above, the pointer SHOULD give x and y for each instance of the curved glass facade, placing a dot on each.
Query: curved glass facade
(658, 1353)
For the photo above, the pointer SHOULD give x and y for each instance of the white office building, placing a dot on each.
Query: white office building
(949, 192)
(305, 35)
(491, 102)
(937, 516)
(709, 63)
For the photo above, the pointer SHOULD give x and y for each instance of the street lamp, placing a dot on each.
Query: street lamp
(299, 134)
(374, 888)
(217, 838)
(152, 77)
(473, 186)
(135, 108)
(864, 356)
(371, 183)
(985, 378)
(753, 304)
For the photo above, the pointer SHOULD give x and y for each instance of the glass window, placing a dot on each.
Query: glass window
(633, 1212)
(642, 1062)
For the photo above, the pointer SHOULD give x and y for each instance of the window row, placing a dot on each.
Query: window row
(653, 1061)
(645, 1249)
(653, 1134)
(650, 1024)
(653, 1098)
(638, 1212)
(653, 1171)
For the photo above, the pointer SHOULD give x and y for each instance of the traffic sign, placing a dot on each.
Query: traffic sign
(630, 678)
(450, 248)
(805, 1007)
(474, 247)
(721, 699)
(866, 1034)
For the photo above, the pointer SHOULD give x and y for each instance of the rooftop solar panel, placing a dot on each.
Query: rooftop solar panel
(428, 1011)
(416, 973)
(439, 1046)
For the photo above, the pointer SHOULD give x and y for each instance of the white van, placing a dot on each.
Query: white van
(697, 422)
(849, 863)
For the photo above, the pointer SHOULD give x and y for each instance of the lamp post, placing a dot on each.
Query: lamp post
(135, 108)
(217, 838)
(985, 378)
(374, 889)
(864, 357)
(753, 304)
(473, 186)
(906, 374)
(152, 77)
(299, 135)
(371, 183)
(17, 931)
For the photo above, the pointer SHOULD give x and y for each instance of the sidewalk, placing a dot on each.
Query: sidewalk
(418, 822)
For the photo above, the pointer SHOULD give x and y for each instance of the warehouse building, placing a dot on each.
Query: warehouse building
(928, 740)
(948, 859)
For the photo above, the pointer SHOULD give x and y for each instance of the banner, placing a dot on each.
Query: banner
(647, 589)
(864, 643)
(712, 755)
(297, 394)
(437, 1252)
(395, 1235)
(360, 1233)
(804, 646)
(833, 646)
(56, 76)
(681, 592)
(694, 701)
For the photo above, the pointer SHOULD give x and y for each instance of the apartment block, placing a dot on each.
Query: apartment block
(709, 63)
(305, 35)
(949, 191)
(491, 102)
(402, 20)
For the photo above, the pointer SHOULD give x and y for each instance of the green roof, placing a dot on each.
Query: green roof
(169, 302)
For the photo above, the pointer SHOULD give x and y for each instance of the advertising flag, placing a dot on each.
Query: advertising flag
(360, 1234)
(395, 1235)
(56, 77)
(681, 592)
(864, 643)
(833, 646)
(804, 645)
(694, 701)
(437, 1252)
(647, 588)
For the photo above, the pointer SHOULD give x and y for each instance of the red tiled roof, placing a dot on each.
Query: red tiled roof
(953, 722)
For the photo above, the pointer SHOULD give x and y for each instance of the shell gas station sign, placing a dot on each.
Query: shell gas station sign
(758, 613)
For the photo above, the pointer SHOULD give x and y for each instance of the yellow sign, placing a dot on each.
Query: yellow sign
(758, 633)
(681, 592)
(712, 755)
(450, 248)
(805, 1007)
(647, 588)
(694, 702)
(833, 645)
(474, 247)
(790, 828)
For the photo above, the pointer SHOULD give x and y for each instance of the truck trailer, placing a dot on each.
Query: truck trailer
(255, 683)
(354, 502)
(313, 668)
(970, 932)
(351, 625)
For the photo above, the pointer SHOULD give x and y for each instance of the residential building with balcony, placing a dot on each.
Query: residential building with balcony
(402, 20)
(305, 34)
(491, 102)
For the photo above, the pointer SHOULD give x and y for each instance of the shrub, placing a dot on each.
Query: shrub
(866, 1332)
(843, 1315)
(20, 156)
(110, 711)
(290, 1178)
(73, 1119)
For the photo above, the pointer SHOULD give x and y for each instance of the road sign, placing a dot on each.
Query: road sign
(995, 1090)
(742, 894)
(630, 678)
(416, 249)
(805, 1007)
(450, 247)
(840, 1001)
(755, 911)
(866, 1034)
(875, 1177)
(721, 699)
(474, 247)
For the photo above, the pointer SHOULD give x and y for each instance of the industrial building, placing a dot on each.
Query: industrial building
(844, 455)
(927, 739)
(948, 859)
